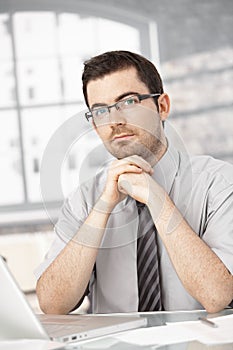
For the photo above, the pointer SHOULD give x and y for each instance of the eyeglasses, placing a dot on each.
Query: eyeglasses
(101, 114)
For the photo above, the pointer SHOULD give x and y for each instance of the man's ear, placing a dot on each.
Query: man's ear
(164, 106)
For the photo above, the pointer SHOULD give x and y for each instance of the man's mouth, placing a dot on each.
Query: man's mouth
(120, 137)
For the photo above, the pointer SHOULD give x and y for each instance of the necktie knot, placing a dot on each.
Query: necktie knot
(140, 205)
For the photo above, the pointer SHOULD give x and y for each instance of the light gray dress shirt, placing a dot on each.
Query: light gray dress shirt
(202, 189)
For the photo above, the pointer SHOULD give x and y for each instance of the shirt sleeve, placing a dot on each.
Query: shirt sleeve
(219, 227)
(72, 215)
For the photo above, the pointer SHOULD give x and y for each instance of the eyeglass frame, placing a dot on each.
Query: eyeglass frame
(141, 97)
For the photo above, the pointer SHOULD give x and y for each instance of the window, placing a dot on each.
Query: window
(41, 60)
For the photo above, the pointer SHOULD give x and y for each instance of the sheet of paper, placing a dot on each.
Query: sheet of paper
(29, 344)
(155, 336)
(182, 331)
(223, 333)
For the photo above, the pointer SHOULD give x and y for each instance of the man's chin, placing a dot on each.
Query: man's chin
(123, 153)
(127, 149)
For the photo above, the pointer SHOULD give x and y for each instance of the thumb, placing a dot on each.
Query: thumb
(124, 185)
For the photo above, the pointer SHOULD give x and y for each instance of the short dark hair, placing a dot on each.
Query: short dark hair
(112, 61)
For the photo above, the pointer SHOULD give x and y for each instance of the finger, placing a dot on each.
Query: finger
(124, 168)
(139, 161)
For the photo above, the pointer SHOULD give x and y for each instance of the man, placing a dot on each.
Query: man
(189, 202)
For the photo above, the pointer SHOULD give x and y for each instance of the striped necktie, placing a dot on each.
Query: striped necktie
(147, 262)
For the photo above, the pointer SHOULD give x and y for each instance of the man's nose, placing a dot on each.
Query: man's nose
(116, 116)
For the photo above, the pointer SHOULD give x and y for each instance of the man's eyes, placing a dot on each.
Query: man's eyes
(130, 101)
(100, 111)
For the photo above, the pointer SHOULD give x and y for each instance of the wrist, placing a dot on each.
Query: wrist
(157, 202)
(165, 214)
(105, 205)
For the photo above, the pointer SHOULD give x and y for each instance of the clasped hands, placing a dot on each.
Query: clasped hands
(128, 176)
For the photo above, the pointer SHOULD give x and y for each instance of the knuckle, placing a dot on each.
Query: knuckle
(123, 176)
(114, 163)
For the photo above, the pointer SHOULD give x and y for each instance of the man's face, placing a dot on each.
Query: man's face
(137, 130)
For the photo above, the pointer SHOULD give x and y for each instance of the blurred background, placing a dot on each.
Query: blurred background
(43, 45)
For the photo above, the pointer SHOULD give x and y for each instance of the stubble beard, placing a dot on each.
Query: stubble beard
(150, 148)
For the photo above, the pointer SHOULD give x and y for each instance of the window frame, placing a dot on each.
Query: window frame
(148, 47)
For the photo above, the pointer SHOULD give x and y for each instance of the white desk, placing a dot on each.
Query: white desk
(115, 342)
(154, 319)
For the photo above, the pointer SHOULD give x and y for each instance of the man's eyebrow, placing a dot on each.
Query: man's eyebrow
(96, 105)
(125, 94)
(118, 98)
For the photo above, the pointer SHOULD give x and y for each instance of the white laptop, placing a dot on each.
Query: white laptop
(17, 320)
